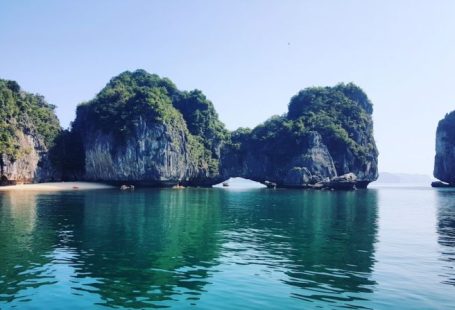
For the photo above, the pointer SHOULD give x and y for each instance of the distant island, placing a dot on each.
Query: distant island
(140, 129)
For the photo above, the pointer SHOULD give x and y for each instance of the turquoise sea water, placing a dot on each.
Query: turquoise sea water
(383, 248)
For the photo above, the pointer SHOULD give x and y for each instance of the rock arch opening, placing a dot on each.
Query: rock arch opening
(238, 182)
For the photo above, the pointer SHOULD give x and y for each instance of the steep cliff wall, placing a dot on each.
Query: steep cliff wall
(154, 153)
(327, 132)
(287, 160)
(28, 126)
(342, 115)
(141, 129)
(444, 163)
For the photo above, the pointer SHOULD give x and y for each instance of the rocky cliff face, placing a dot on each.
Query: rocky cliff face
(310, 163)
(327, 132)
(444, 163)
(27, 127)
(24, 168)
(366, 170)
(342, 115)
(141, 129)
(154, 154)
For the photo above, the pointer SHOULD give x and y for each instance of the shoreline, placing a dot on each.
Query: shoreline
(56, 186)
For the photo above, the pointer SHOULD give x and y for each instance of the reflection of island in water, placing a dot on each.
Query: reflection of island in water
(152, 247)
(323, 241)
(25, 245)
(147, 246)
(130, 249)
(446, 231)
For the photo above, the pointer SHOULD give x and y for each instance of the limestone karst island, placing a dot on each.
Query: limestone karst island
(140, 129)
(229, 154)
(444, 162)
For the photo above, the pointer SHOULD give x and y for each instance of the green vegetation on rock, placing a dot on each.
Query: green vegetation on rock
(140, 127)
(132, 96)
(29, 113)
(201, 119)
(341, 114)
(127, 98)
(279, 138)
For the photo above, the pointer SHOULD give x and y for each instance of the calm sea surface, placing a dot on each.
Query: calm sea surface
(383, 248)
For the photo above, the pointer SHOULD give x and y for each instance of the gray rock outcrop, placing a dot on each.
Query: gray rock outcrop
(154, 154)
(141, 130)
(28, 166)
(312, 163)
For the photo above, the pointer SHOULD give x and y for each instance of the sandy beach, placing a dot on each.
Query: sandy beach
(57, 186)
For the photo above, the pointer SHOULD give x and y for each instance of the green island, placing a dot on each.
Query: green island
(141, 129)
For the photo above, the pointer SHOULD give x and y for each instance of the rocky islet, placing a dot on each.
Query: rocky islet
(140, 129)
(444, 162)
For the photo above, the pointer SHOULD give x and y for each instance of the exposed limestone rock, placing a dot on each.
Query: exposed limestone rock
(155, 154)
(27, 126)
(317, 159)
(310, 164)
(444, 163)
(140, 129)
(344, 182)
(31, 166)
(297, 177)
(175, 137)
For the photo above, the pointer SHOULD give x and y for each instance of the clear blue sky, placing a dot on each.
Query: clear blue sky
(248, 57)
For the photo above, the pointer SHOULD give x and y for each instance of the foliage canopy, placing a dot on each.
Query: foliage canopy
(130, 96)
(25, 112)
(340, 114)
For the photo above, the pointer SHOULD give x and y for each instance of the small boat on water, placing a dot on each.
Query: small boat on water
(225, 184)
